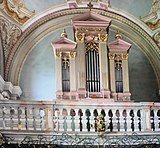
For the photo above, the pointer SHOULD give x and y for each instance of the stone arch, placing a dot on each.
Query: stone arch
(60, 19)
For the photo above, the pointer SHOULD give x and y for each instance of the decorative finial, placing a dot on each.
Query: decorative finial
(90, 6)
(118, 35)
(64, 34)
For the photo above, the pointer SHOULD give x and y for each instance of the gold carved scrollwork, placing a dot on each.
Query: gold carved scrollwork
(79, 36)
(58, 54)
(72, 54)
(111, 56)
(125, 56)
(92, 45)
(17, 10)
(103, 37)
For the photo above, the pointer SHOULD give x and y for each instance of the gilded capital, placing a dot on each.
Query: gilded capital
(125, 56)
(103, 37)
(72, 54)
(79, 36)
(111, 56)
(58, 54)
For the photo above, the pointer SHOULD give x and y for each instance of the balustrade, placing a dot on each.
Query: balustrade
(44, 116)
(118, 117)
(28, 116)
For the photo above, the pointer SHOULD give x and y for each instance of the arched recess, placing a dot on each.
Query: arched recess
(60, 19)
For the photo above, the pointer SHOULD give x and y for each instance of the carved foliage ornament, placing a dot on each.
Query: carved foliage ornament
(58, 54)
(72, 54)
(92, 45)
(120, 56)
(79, 36)
(103, 37)
(10, 33)
(17, 10)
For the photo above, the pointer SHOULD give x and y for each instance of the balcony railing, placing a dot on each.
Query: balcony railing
(20, 119)
(118, 117)
(26, 115)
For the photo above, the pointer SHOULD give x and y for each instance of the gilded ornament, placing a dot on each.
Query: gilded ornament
(79, 36)
(111, 56)
(72, 54)
(125, 56)
(91, 45)
(103, 37)
(58, 54)
(17, 10)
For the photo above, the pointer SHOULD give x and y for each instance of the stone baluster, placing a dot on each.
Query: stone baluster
(30, 118)
(42, 118)
(15, 118)
(49, 118)
(136, 126)
(84, 121)
(61, 120)
(37, 118)
(128, 118)
(92, 121)
(114, 120)
(121, 120)
(7, 118)
(145, 120)
(107, 119)
(56, 122)
(69, 121)
(22, 119)
(76, 120)
(156, 120)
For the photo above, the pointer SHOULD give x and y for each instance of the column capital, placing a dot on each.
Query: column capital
(111, 56)
(58, 54)
(79, 36)
(125, 56)
(72, 54)
(103, 37)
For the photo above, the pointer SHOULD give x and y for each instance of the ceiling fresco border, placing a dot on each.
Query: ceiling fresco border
(12, 73)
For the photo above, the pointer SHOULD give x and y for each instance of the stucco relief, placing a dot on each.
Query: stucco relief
(157, 38)
(10, 34)
(16, 9)
(153, 19)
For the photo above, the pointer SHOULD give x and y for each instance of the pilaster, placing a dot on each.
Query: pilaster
(104, 65)
(73, 75)
(59, 75)
(81, 87)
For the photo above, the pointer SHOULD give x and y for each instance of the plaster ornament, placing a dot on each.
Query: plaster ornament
(10, 34)
(17, 10)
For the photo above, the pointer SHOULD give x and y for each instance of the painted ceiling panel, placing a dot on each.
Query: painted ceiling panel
(41, 5)
(135, 7)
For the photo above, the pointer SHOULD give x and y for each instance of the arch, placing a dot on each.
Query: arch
(62, 18)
